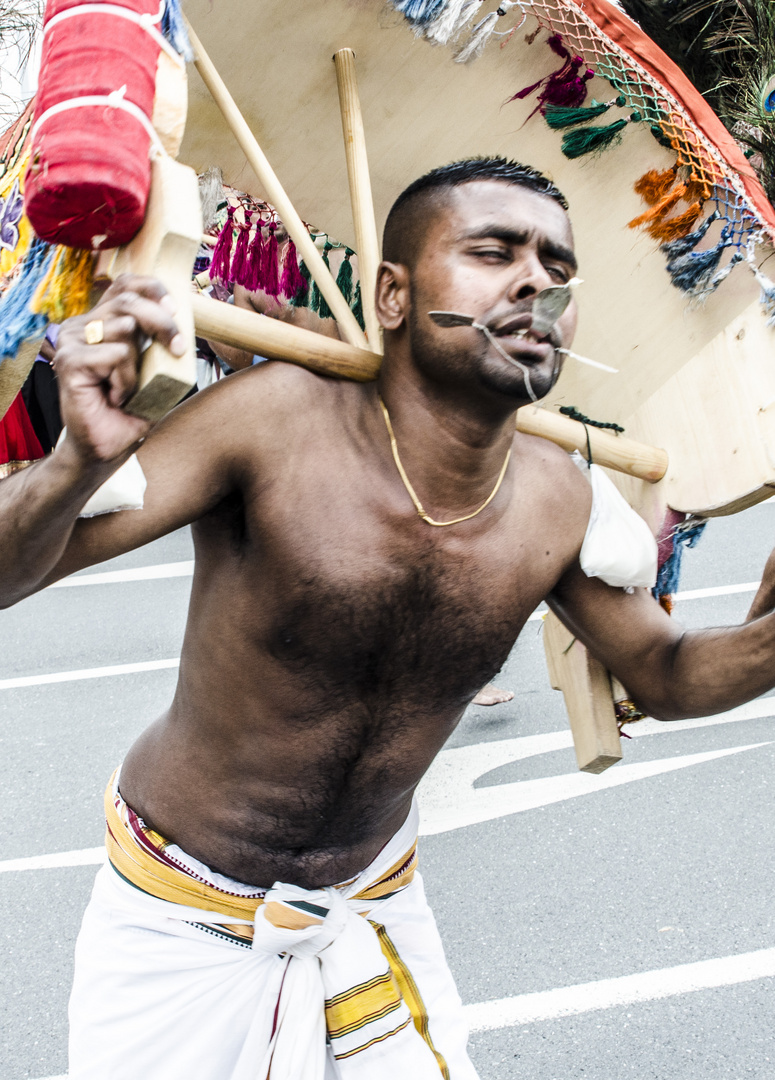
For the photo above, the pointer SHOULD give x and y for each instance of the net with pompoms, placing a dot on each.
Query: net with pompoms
(711, 185)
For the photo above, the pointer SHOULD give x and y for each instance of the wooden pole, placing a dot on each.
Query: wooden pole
(366, 238)
(613, 451)
(280, 341)
(276, 194)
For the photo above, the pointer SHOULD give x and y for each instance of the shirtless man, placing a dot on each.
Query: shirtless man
(334, 637)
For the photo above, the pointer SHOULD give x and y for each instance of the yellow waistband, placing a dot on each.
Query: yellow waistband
(149, 873)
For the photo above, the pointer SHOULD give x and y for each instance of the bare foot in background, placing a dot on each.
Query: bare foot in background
(492, 695)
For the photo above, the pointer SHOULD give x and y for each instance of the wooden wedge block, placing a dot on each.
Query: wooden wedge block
(586, 687)
(166, 248)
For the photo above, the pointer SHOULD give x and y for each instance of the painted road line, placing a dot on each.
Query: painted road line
(88, 673)
(626, 990)
(612, 993)
(446, 806)
(138, 573)
(84, 857)
(717, 590)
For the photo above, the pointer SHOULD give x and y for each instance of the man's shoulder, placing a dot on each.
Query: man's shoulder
(560, 482)
(273, 390)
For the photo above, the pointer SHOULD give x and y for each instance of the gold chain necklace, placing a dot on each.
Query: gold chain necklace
(417, 504)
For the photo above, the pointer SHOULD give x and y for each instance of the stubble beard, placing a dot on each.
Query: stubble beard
(446, 364)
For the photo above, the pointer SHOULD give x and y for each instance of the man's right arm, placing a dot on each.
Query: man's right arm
(185, 458)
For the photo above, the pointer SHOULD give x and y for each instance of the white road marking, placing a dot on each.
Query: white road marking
(717, 590)
(84, 857)
(626, 990)
(446, 805)
(612, 993)
(89, 673)
(138, 573)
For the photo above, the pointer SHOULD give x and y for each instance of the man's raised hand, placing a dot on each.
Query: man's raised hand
(97, 380)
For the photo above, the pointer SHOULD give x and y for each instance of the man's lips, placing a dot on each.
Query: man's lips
(519, 326)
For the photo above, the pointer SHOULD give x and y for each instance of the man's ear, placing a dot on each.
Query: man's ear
(392, 294)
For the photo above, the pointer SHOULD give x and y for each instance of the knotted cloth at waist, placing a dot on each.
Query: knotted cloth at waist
(344, 982)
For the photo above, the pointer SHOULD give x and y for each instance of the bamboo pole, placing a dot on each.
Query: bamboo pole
(276, 194)
(366, 238)
(280, 341)
(624, 455)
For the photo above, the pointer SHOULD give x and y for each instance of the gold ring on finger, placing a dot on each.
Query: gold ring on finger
(94, 332)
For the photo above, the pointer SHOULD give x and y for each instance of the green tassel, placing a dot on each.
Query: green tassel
(319, 302)
(586, 140)
(344, 279)
(357, 308)
(661, 138)
(303, 296)
(558, 117)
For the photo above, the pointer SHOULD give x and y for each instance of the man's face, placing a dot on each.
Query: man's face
(488, 252)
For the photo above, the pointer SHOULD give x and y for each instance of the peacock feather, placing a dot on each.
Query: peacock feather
(727, 49)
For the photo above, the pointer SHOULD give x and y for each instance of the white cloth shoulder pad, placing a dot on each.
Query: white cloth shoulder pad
(619, 547)
(124, 490)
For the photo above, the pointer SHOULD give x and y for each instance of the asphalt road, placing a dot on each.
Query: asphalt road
(598, 928)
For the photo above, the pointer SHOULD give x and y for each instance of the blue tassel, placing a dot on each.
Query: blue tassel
(686, 535)
(17, 322)
(718, 277)
(767, 286)
(174, 29)
(687, 243)
(691, 273)
(420, 12)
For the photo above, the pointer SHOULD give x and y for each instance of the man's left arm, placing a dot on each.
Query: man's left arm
(670, 672)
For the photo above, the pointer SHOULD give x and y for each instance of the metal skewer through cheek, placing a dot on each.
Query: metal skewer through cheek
(499, 349)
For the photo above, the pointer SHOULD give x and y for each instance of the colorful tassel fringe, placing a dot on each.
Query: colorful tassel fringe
(303, 298)
(173, 26)
(589, 140)
(558, 116)
(564, 87)
(685, 535)
(447, 25)
(66, 288)
(18, 322)
(482, 33)
(344, 279)
(693, 272)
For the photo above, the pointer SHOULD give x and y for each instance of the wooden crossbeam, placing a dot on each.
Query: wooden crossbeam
(280, 341)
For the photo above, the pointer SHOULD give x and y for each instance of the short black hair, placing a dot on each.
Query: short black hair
(402, 236)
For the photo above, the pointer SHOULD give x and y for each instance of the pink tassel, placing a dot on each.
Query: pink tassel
(565, 86)
(255, 260)
(220, 264)
(291, 282)
(270, 282)
(239, 264)
(568, 90)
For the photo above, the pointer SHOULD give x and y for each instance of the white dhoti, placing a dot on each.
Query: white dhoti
(183, 974)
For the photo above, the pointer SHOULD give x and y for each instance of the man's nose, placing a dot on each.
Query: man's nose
(530, 278)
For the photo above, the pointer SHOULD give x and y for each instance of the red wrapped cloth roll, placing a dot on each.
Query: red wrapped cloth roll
(89, 174)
